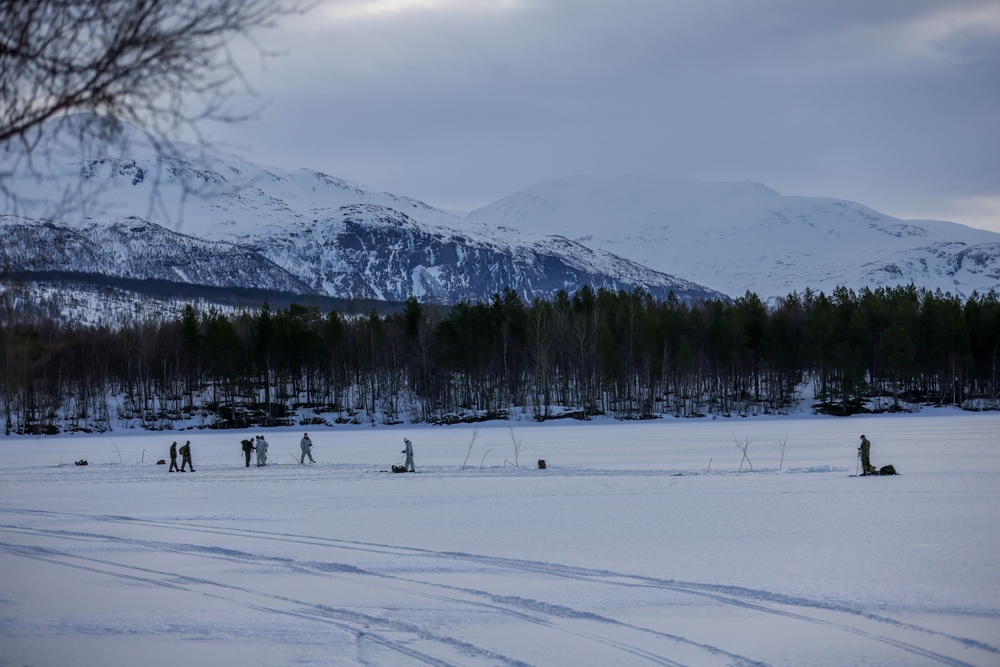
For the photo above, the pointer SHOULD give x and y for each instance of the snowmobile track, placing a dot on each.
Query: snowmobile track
(645, 645)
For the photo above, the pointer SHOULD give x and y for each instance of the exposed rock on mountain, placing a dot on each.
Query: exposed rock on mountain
(242, 226)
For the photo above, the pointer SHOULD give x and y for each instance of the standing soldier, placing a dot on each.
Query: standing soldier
(261, 451)
(409, 456)
(306, 444)
(186, 456)
(173, 458)
(247, 449)
(864, 451)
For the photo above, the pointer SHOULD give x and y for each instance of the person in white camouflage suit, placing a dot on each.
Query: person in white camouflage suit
(409, 456)
(261, 447)
(306, 444)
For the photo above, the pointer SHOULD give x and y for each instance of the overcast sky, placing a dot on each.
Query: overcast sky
(891, 103)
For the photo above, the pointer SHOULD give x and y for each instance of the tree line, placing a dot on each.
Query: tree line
(621, 354)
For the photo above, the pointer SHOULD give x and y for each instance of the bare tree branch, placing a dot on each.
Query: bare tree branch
(163, 65)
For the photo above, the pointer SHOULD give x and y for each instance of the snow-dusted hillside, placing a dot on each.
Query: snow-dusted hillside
(736, 237)
(192, 217)
(237, 224)
(135, 249)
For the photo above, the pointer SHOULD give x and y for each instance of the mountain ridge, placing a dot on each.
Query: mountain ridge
(734, 236)
(240, 225)
(235, 224)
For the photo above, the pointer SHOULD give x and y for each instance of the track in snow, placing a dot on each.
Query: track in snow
(411, 577)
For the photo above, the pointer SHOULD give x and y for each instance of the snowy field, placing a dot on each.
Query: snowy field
(640, 544)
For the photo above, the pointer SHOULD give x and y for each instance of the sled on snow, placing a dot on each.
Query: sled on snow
(884, 470)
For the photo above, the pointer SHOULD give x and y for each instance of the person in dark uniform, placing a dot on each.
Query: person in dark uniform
(186, 456)
(247, 449)
(865, 451)
(173, 458)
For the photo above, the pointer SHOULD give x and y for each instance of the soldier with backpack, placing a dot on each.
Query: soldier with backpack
(247, 449)
(185, 451)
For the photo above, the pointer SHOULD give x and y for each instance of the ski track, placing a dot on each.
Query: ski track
(345, 619)
(442, 649)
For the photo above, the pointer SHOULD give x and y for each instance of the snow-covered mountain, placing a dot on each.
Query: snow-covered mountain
(743, 236)
(186, 216)
(235, 224)
(138, 250)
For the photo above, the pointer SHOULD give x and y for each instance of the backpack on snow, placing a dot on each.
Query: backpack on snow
(399, 468)
(887, 470)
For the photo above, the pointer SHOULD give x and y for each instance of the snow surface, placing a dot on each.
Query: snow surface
(641, 543)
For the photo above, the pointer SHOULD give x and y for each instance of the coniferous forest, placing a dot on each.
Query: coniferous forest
(623, 355)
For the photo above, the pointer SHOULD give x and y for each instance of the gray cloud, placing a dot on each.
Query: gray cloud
(890, 103)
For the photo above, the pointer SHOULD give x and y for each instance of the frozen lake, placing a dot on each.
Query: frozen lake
(641, 543)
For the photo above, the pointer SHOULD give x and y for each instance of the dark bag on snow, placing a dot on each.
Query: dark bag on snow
(399, 468)
(887, 470)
